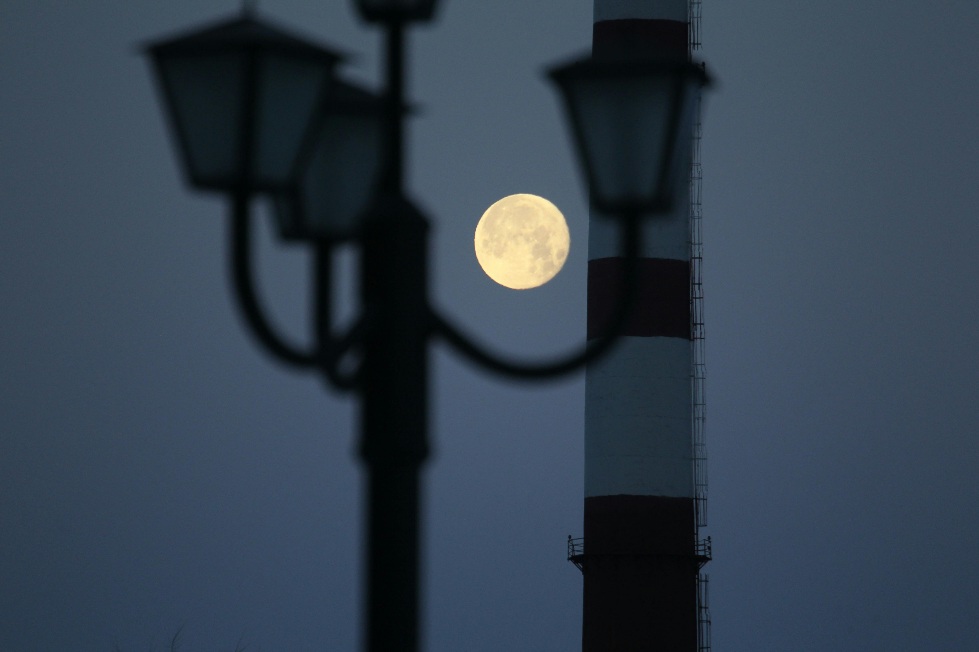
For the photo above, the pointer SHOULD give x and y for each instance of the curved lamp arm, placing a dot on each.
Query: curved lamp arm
(244, 288)
(336, 349)
(332, 349)
(629, 249)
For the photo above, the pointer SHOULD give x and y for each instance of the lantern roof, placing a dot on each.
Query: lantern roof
(242, 32)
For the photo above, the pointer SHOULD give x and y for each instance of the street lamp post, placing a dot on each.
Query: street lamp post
(258, 111)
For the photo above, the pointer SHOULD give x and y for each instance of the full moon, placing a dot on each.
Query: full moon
(522, 241)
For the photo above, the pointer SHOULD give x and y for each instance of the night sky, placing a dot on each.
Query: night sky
(158, 471)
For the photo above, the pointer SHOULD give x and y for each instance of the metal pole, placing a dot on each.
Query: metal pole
(393, 182)
(394, 389)
(394, 422)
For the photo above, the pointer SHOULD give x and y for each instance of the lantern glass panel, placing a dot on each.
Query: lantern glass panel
(339, 178)
(625, 129)
(289, 90)
(204, 94)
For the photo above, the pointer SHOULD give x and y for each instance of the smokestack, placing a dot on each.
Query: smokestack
(641, 555)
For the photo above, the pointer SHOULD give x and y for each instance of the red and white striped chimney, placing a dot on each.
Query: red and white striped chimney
(641, 558)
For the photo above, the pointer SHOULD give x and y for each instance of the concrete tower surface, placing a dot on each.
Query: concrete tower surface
(640, 556)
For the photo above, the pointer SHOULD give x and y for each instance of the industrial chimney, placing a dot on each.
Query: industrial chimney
(645, 476)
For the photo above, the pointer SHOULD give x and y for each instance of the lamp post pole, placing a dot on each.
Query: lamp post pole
(394, 383)
(394, 404)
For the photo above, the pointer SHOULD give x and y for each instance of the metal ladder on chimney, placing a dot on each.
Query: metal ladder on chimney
(698, 371)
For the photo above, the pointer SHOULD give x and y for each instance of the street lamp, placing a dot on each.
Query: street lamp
(633, 122)
(258, 111)
(241, 97)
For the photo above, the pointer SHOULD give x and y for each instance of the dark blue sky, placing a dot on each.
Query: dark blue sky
(157, 470)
